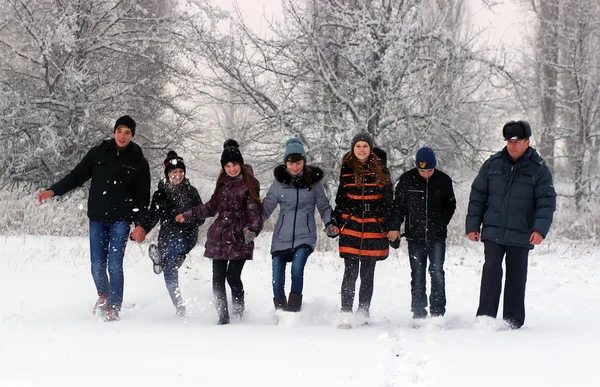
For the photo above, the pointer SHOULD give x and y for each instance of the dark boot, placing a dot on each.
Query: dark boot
(294, 302)
(280, 304)
(222, 310)
(238, 305)
(364, 315)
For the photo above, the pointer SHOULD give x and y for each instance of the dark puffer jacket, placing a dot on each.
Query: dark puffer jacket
(120, 188)
(512, 200)
(237, 210)
(296, 224)
(424, 205)
(362, 214)
(167, 202)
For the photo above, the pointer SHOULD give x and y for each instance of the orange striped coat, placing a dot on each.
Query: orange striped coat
(362, 213)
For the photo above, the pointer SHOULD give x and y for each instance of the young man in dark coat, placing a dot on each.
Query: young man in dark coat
(425, 202)
(514, 199)
(174, 195)
(119, 194)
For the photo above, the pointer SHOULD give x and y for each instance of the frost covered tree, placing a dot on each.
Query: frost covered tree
(71, 67)
(567, 83)
(407, 72)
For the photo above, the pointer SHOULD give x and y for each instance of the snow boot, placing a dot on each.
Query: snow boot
(419, 314)
(363, 315)
(112, 313)
(238, 305)
(280, 304)
(294, 302)
(180, 311)
(101, 303)
(345, 320)
(222, 310)
(156, 258)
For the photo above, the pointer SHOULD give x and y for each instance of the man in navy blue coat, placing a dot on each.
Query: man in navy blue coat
(514, 199)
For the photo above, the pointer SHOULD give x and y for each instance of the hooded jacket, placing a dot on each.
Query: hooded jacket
(296, 225)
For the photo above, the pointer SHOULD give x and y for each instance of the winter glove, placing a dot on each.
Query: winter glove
(331, 230)
(249, 236)
(395, 244)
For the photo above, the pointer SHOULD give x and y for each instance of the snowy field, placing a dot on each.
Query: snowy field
(48, 336)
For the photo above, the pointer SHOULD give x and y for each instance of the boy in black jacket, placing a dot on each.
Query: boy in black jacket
(119, 194)
(425, 202)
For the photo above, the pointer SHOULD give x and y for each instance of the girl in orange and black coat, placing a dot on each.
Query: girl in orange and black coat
(363, 206)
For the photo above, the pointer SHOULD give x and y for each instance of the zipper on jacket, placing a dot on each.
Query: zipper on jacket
(426, 210)
(362, 235)
(295, 213)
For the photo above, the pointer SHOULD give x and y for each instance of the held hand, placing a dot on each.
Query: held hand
(179, 218)
(249, 236)
(44, 195)
(138, 234)
(393, 235)
(536, 238)
(474, 236)
(332, 231)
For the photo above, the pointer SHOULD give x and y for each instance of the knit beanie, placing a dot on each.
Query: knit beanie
(231, 153)
(173, 161)
(294, 146)
(426, 158)
(125, 121)
(364, 136)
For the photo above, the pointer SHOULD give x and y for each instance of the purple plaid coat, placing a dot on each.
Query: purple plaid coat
(237, 210)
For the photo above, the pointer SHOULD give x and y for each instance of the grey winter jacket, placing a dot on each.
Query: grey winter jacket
(512, 200)
(297, 197)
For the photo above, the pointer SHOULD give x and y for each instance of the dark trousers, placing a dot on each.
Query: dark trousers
(514, 286)
(418, 253)
(366, 268)
(230, 271)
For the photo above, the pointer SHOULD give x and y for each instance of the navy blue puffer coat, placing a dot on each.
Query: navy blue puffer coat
(512, 199)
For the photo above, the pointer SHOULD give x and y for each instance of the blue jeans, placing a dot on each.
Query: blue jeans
(173, 257)
(418, 253)
(107, 248)
(299, 258)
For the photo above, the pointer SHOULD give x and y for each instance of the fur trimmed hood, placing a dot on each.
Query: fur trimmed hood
(315, 174)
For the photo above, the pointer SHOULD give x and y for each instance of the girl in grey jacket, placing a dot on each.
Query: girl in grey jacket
(297, 189)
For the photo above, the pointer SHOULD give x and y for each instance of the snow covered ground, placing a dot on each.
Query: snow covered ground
(48, 336)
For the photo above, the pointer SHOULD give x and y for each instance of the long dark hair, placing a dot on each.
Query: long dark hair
(382, 175)
(306, 170)
(247, 176)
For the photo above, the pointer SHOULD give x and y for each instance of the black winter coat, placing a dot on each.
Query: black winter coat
(425, 206)
(168, 202)
(512, 200)
(120, 187)
(362, 214)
